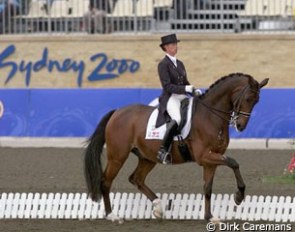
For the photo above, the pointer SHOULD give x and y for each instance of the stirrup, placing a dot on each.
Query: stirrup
(164, 156)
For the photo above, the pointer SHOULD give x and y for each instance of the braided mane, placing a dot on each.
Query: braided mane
(222, 79)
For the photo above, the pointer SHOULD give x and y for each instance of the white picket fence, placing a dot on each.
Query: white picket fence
(137, 206)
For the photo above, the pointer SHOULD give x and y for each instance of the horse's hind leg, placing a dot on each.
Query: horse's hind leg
(116, 159)
(138, 179)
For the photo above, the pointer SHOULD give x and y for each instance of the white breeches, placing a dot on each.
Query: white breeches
(173, 106)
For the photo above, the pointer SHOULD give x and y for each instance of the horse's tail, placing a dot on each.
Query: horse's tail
(92, 163)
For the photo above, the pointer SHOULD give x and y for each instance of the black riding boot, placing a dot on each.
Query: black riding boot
(164, 155)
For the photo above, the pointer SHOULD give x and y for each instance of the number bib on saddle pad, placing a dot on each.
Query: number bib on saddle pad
(158, 133)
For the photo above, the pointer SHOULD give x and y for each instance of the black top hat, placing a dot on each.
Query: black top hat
(167, 39)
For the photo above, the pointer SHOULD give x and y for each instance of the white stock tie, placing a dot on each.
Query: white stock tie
(174, 62)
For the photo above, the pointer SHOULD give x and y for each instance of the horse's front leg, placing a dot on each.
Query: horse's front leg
(208, 175)
(240, 194)
(210, 160)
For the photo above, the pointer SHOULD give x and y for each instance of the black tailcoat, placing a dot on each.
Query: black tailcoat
(173, 80)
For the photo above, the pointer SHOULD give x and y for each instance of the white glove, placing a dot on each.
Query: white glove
(198, 92)
(189, 88)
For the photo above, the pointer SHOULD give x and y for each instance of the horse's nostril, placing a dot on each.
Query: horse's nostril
(239, 127)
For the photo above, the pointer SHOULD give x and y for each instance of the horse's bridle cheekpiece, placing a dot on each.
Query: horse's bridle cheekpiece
(237, 105)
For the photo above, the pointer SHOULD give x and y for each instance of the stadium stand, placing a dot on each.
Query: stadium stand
(164, 15)
(269, 14)
(59, 9)
(58, 12)
(61, 15)
(123, 8)
(163, 3)
(133, 15)
(38, 9)
(76, 11)
(268, 8)
(36, 19)
(209, 16)
(144, 12)
(77, 8)
(144, 8)
(122, 16)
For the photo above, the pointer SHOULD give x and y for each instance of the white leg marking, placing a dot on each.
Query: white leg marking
(157, 208)
(114, 218)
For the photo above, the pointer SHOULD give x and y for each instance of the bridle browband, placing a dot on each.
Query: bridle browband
(234, 114)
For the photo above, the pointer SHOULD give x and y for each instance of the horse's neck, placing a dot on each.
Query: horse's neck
(220, 100)
(217, 109)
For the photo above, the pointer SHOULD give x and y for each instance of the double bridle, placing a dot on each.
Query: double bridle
(234, 114)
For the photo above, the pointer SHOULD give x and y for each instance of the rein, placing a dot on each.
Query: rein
(234, 114)
(216, 111)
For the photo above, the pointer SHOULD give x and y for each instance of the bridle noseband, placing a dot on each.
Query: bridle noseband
(236, 112)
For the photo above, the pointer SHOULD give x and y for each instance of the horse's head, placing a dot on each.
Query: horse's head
(244, 99)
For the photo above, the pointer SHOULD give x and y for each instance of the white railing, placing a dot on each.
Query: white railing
(137, 206)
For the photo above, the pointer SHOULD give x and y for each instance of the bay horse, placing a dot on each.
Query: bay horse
(229, 100)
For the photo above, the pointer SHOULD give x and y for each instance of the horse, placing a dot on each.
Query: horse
(228, 101)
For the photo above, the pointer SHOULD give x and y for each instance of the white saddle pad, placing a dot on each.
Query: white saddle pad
(158, 133)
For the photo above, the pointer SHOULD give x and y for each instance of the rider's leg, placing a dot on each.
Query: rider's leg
(173, 109)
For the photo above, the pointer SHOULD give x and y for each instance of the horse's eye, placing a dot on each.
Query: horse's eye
(251, 99)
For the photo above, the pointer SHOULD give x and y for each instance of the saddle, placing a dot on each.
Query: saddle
(154, 131)
(183, 111)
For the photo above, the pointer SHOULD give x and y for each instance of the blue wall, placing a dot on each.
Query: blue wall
(76, 112)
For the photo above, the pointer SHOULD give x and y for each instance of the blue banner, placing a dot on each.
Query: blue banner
(76, 112)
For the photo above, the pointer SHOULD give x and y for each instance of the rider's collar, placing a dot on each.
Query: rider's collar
(172, 58)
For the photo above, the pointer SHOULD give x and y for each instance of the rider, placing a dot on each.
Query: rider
(175, 88)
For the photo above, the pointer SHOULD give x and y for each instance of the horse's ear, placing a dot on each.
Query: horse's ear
(263, 83)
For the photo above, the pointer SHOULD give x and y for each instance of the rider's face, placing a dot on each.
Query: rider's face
(171, 49)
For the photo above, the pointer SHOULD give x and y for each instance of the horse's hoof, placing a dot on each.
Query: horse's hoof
(238, 198)
(157, 209)
(114, 218)
(215, 220)
(157, 214)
